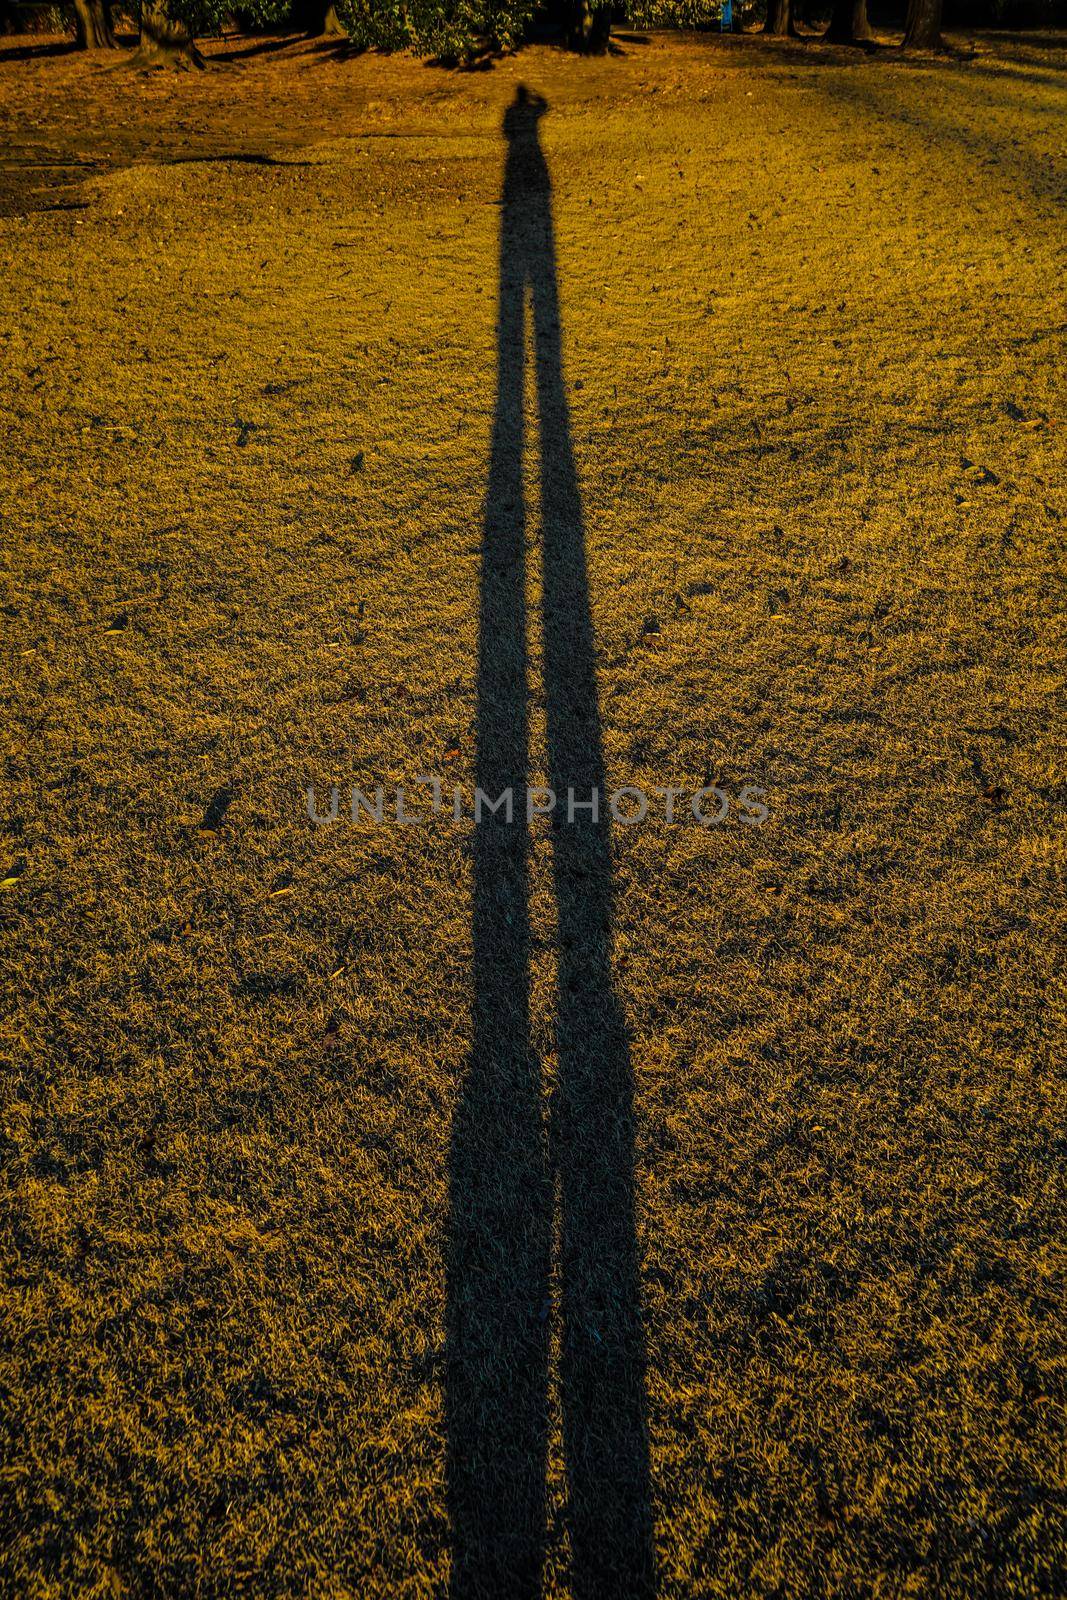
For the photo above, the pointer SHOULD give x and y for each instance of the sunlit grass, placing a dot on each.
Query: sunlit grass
(811, 330)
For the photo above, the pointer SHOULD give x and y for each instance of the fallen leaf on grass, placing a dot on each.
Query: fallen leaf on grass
(216, 810)
(979, 474)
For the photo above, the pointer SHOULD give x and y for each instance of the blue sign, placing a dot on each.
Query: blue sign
(726, 18)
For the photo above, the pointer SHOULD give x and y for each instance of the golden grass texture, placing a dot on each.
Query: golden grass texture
(810, 355)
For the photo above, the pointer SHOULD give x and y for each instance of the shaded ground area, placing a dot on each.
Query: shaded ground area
(711, 436)
(65, 116)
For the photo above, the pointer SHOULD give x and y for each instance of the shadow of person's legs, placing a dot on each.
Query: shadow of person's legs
(501, 1184)
(500, 1187)
(603, 1357)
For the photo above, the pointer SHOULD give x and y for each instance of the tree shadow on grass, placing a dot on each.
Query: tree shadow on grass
(245, 48)
(876, 97)
(38, 52)
(508, 1163)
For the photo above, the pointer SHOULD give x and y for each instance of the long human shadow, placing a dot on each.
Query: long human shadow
(510, 1155)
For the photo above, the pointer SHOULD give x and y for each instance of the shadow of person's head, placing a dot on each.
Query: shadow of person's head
(524, 113)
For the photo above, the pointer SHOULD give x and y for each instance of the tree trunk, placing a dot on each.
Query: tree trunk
(922, 29)
(164, 41)
(848, 23)
(592, 28)
(778, 20)
(320, 20)
(92, 25)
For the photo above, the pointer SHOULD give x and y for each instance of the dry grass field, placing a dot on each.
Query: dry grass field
(530, 1210)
